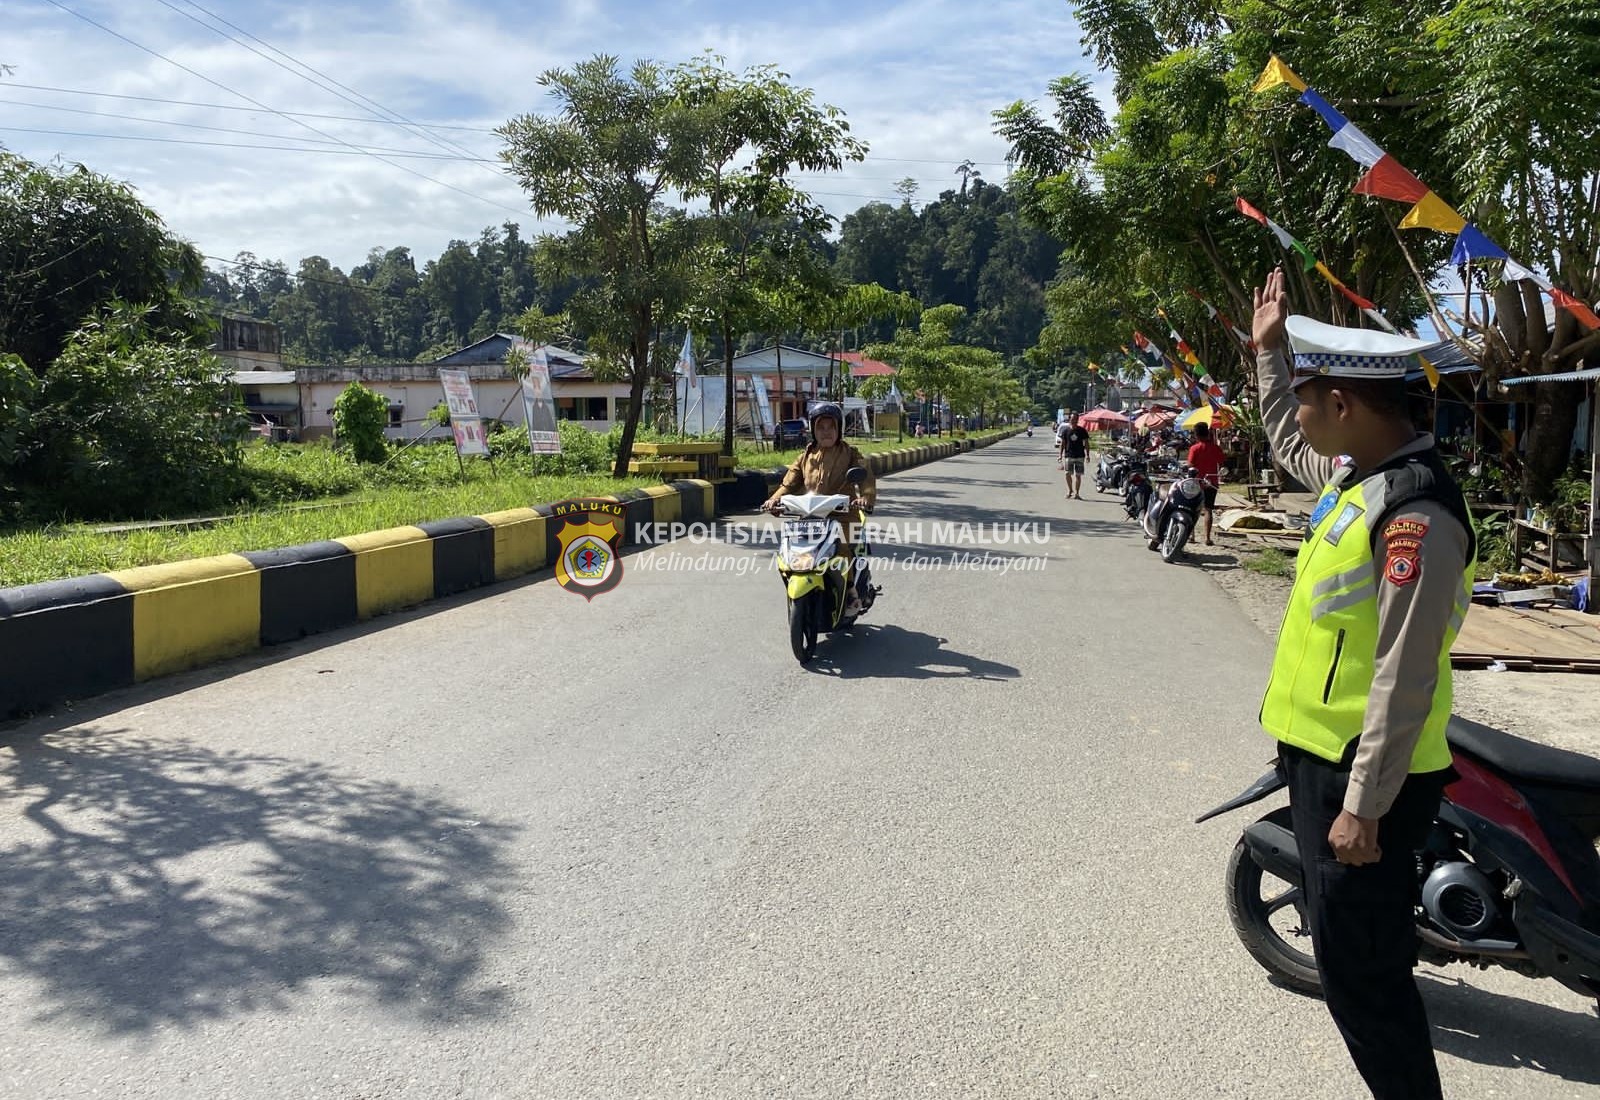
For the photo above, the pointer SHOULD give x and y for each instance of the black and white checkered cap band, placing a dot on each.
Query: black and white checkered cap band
(1352, 366)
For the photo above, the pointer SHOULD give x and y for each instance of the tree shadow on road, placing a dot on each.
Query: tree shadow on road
(889, 651)
(170, 884)
(1495, 1030)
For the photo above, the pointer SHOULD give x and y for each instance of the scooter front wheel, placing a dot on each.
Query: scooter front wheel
(803, 628)
(1177, 535)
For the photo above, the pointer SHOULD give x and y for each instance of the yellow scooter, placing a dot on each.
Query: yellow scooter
(814, 560)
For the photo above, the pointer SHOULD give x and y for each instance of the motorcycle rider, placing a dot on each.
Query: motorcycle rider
(1360, 689)
(821, 468)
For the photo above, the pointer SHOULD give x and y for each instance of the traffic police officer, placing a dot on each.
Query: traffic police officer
(1360, 690)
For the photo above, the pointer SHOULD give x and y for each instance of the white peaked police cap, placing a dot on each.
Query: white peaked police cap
(1331, 351)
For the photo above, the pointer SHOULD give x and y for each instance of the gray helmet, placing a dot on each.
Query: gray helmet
(827, 408)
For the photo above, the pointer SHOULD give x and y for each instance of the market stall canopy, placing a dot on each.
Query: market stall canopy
(1205, 414)
(1154, 420)
(1099, 419)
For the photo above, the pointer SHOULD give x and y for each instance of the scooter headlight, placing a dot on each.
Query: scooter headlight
(801, 562)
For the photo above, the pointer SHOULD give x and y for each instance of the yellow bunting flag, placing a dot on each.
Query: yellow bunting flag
(1433, 213)
(1430, 370)
(1277, 73)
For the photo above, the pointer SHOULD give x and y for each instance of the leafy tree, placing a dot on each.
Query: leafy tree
(754, 129)
(1491, 104)
(928, 361)
(70, 240)
(359, 419)
(129, 420)
(604, 162)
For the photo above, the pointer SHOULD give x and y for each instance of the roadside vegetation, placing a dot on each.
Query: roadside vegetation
(301, 493)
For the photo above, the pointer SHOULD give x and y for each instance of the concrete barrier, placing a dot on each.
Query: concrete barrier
(70, 639)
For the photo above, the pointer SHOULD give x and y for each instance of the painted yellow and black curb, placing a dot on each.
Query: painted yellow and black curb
(73, 638)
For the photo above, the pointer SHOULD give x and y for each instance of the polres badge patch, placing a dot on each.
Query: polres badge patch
(1402, 550)
(589, 561)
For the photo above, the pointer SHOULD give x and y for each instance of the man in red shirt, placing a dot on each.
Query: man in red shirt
(1207, 458)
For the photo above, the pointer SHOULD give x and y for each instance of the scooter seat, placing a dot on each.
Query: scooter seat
(1524, 759)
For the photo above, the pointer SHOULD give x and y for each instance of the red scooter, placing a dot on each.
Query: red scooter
(1509, 877)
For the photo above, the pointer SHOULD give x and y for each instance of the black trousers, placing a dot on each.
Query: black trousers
(1362, 924)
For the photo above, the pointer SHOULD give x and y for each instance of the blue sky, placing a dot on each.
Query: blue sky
(917, 79)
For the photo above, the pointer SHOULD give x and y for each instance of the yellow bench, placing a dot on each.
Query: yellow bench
(663, 466)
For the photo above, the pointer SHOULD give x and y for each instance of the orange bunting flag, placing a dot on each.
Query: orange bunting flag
(1575, 307)
(1389, 179)
(1355, 299)
(1432, 212)
(1277, 73)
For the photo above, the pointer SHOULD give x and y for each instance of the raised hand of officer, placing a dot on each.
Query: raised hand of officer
(1354, 840)
(1272, 310)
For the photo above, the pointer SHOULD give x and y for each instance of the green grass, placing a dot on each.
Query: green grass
(749, 456)
(1272, 562)
(423, 485)
(69, 551)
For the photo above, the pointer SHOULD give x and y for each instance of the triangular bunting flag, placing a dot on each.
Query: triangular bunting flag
(1432, 212)
(1277, 73)
(1389, 179)
(1573, 306)
(1515, 272)
(1430, 370)
(1249, 211)
(1473, 245)
(1357, 146)
(1306, 256)
(1333, 118)
(1285, 237)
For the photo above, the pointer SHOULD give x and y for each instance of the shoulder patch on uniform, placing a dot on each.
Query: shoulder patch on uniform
(1405, 529)
(1402, 551)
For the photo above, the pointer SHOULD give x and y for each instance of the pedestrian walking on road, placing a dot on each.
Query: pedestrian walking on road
(1074, 442)
(1360, 690)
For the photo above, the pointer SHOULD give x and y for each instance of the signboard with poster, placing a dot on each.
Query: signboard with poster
(539, 406)
(470, 437)
(458, 394)
(465, 423)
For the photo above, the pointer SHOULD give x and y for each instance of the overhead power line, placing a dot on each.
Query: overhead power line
(214, 129)
(273, 110)
(236, 107)
(320, 80)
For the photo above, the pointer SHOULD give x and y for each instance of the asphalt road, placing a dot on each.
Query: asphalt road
(522, 845)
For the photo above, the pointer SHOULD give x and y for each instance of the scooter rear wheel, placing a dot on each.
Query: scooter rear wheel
(1254, 898)
(803, 627)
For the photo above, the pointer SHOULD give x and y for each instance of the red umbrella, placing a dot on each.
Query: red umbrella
(1100, 419)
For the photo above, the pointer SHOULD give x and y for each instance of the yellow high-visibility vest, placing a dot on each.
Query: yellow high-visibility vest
(1323, 671)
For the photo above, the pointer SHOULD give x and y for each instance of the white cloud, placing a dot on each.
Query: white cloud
(917, 80)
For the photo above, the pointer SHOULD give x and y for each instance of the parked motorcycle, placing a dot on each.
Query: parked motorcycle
(1136, 491)
(814, 559)
(1169, 520)
(1509, 877)
(1112, 470)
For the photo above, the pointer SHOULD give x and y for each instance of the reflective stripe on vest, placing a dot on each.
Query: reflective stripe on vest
(1323, 671)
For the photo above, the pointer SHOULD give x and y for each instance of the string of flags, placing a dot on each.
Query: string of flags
(1311, 263)
(1224, 320)
(1387, 178)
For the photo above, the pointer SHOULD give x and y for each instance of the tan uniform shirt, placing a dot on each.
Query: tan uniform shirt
(819, 470)
(1413, 613)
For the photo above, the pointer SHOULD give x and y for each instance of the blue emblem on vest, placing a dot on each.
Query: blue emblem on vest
(1325, 504)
